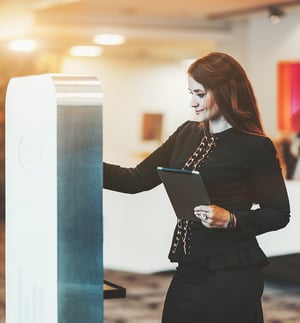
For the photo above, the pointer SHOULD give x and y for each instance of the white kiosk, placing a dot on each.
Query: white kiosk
(54, 270)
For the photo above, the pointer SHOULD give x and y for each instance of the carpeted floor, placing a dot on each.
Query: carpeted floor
(145, 296)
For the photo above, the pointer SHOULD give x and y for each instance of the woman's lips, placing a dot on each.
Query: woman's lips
(199, 111)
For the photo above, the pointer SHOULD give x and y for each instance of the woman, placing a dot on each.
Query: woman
(219, 273)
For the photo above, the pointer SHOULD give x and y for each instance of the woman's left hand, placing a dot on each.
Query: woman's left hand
(212, 216)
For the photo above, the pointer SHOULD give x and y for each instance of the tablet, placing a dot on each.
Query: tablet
(185, 190)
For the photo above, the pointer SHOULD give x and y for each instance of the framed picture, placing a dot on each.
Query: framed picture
(152, 126)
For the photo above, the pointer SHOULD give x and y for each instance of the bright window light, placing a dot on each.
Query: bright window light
(109, 39)
(86, 51)
(22, 45)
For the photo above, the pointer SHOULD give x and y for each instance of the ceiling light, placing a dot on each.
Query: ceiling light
(275, 14)
(86, 51)
(22, 45)
(109, 39)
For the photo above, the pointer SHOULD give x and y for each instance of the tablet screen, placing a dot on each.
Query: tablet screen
(185, 190)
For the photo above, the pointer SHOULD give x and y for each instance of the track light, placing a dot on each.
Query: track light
(275, 14)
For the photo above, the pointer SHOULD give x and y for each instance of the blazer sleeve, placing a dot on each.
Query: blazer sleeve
(268, 190)
(144, 176)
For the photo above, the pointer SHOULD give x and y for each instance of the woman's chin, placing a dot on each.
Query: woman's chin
(199, 117)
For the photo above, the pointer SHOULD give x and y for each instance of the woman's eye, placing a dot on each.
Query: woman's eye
(200, 95)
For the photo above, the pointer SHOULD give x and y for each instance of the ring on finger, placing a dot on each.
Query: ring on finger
(203, 216)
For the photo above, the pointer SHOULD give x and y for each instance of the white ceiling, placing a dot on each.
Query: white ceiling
(150, 9)
(150, 25)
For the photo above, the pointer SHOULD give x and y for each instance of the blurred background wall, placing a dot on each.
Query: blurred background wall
(146, 74)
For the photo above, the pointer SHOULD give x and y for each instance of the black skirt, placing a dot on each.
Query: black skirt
(198, 295)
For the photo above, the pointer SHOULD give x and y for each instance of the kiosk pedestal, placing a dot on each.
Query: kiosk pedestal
(54, 268)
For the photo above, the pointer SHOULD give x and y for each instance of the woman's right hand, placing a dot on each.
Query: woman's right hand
(213, 216)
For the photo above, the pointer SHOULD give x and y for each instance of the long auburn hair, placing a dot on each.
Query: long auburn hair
(232, 91)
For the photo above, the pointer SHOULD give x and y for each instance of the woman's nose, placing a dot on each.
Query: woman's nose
(194, 103)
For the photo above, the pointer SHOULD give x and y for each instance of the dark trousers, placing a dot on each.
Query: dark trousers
(214, 296)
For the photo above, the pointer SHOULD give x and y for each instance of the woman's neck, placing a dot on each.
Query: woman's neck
(219, 125)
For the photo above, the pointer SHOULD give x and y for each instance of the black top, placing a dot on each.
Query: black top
(241, 170)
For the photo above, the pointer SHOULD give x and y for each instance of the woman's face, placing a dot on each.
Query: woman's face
(202, 102)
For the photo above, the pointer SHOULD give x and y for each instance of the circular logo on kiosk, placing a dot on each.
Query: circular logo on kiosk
(30, 152)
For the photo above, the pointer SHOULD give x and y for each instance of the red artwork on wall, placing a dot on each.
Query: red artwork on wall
(288, 95)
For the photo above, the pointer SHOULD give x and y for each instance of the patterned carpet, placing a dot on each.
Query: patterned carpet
(145, 295)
